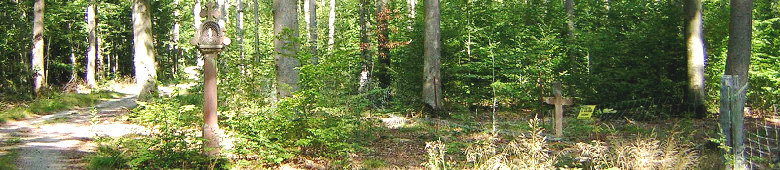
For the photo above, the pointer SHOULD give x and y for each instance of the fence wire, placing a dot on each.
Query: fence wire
(762, 138)
(641, 109)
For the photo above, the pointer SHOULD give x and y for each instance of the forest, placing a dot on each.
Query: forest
(390, 84)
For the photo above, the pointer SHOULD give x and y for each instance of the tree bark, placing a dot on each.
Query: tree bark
(175, 39)
(331, 24)
(240, 30)
(143, 49)
(310, 14)
(257, 32)
(432, 95)
(39, 77)
(569, 8)
(411, 5)
(383, 42)
(286, 30)
(366, 62)
(92, 47)
(196, 21)
(740, 32)
(694, 37)
(738, 63)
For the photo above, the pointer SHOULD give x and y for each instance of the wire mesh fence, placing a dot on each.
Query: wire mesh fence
(762, 138)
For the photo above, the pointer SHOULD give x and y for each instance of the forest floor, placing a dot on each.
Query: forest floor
(403, 144)
(63, 139)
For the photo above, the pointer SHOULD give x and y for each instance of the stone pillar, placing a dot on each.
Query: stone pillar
(210, 39)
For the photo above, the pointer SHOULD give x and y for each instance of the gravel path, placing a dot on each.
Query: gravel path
(61, 140)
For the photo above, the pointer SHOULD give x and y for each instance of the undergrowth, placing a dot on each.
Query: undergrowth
(263, 136)
(531, 150)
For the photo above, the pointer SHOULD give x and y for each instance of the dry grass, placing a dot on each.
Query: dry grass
(640, 153)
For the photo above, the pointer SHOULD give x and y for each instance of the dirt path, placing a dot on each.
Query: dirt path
(61, 140)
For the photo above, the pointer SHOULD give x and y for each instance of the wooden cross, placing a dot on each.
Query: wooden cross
(559, 101)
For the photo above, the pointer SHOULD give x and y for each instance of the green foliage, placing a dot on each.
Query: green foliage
(172, 142)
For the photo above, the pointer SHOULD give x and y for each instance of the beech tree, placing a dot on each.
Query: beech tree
(365, 63)
(432, 71)
(143, 49)
(285, 48)
(92, 47)
(383, 43)
(240, 28)
(696, 54)
(39, 78)
(738, 63)
(740, 34)
(310, 15)
(331, 23)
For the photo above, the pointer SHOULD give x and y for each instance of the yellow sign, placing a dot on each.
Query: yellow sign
(586, 111)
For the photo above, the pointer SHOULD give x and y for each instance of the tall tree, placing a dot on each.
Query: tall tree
(310, 14)
(411, 6)
(694, 37)
(569, 8)
(92, 47)
(143, 49)
(331, 23)
(39, 77)
(383, 43)
(432, 71)
(196, 22)
(175, 38)
(285, 48)
(737, 63)
(257, 32)
(240, 28)
(740, 35)
(365, 63)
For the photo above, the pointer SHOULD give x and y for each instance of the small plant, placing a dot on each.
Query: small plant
(527, 151)
(436, 151)
(642, 153)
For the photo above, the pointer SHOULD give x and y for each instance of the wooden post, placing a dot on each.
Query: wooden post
(732, 103)
(559, 102)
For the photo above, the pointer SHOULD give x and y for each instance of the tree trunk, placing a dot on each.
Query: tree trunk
(92, 47)
(738, 62)
(222, 6)
(240, 30)
(432, 72)
(411, 5)
(143, 49)
(286, 30)
(39, 77)
(257, 32)
(694, 37)
(196, 21)
(383, 42)
(740, 31)
(569, 8)
(310, 14)
(174, 40)
(366, 62)
(331, 24)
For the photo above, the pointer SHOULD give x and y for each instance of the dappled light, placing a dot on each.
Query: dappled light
(389, 84)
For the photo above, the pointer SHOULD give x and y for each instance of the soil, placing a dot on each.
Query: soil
(62, 140)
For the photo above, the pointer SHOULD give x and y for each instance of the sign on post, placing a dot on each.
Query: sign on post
(586, 111)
